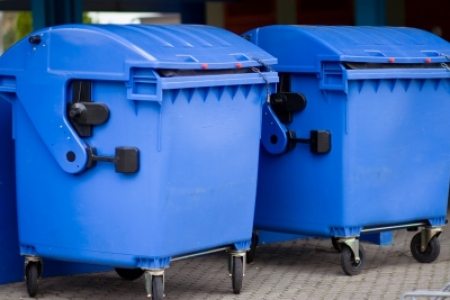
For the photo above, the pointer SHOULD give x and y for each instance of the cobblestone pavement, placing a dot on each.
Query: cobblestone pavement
(303, 269)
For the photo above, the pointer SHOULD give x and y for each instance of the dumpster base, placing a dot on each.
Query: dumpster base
(131, 267)
(425, 246)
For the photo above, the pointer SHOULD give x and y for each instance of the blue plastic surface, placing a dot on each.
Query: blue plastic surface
(197, 133)
(390, 147)
(11, 263)
(314, 45)
(137, 51)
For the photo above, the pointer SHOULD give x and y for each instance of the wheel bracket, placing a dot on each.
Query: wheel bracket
(149, 274)
(34, 259)
(234, 254)
(426, 235)
(353, 244)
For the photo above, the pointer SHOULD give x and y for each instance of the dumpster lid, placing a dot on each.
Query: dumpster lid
(314, 44)
(110, 47)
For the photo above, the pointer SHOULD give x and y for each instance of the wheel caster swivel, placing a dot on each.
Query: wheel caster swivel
(237, 270)
(154, 284)
(352, 256)
(425, 246)
(33, 272)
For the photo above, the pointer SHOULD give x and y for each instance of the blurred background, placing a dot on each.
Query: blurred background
(19, 17)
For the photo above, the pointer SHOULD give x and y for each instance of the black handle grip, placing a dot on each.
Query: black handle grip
(125, 159)
(285, 104)
(89, 113)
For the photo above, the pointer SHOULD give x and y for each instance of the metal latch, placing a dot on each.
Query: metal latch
(83, 113)
(284, 104)
(126, 159)
(319, 141)
(88, 113)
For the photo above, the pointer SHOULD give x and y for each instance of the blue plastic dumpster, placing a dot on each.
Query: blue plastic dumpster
(136, 145)
(357, 139)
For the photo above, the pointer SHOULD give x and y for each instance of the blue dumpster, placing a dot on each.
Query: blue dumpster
(136, 145)
(357, 138)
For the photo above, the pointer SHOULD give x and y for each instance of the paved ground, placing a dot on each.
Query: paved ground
(308, 269)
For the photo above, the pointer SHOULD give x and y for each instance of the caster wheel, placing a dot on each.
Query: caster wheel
(157, 288)
(252, 252)
(430, 254)
(31, 278)
(348, 264)
(237, 274)
(129, 274)
(336, 245)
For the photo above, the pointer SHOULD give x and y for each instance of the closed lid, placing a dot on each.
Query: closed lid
(108, 48)
(307, 46)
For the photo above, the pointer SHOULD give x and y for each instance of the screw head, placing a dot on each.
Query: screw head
(35, 39)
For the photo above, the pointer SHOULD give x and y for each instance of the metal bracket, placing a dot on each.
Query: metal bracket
(353, 244)
(426, 235)
(234, 254)
(33, 259)
(29, 259)
(148, 275)
(277, 139)
(273, 132)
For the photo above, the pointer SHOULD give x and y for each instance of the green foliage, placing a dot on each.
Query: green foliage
(86, 18)
(9, 38)
(24, 24)
(18, 26)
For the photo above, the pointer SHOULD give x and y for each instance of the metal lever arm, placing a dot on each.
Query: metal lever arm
(51, 125)
(273, 132)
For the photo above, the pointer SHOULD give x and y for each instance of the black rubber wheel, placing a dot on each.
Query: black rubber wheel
(348, 264)
(237, 274)
(336, 245)
(157, 288)
(31, 278)
(129, 274)
(252, 252)
(431, 252)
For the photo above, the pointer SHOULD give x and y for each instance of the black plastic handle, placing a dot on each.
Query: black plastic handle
(319, 141)
(125, 159)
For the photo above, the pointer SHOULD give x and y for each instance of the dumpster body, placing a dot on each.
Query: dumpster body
(370, 151)
(135, 145)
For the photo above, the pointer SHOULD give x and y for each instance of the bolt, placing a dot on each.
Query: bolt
(34, 39)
